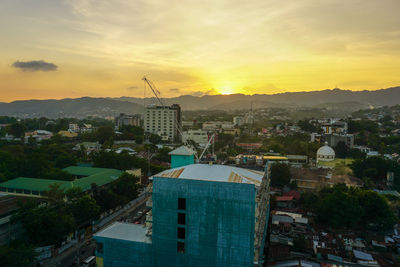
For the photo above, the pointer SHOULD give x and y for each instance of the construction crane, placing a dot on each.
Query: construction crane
(153, 89)
(211, 140)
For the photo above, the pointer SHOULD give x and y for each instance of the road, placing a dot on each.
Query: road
(86, 248)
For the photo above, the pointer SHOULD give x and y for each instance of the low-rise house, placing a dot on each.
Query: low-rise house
(285, 201)
(67, 134)
(89, 147)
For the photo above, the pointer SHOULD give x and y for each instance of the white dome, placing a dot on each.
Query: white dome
(325, 153)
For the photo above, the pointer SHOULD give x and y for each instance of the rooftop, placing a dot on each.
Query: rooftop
(99, 176)
(183, 151)
(218, 173)
(125, 231)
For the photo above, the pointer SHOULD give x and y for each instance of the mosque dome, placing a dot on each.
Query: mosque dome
(325, 153)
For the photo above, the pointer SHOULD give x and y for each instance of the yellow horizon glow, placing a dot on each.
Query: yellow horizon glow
(103, 48)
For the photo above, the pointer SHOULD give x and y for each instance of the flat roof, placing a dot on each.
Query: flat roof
(125, 231)
(218, 173)
(99, 176)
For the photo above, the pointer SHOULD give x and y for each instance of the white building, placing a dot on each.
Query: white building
(164, 121)
(211, 125)
(238, 121)
(73, 128)
(325, 153)
(198, 136)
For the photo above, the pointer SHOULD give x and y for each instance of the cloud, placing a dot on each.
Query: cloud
(203, 93)
(175, 90)
(34, 65)
(132, 88)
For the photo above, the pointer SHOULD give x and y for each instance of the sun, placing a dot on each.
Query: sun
(226, 90)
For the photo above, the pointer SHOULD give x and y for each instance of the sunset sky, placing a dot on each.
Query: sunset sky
(101, 48)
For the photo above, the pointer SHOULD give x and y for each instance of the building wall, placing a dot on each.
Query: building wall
(199, 136)
(180, 160)
(123, 253)
(163, 120)
(219, 228)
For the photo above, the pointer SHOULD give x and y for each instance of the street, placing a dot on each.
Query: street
(86, 248)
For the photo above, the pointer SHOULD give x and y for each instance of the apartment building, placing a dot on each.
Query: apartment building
(164, 121)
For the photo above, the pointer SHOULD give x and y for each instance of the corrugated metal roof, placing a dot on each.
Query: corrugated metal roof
(84, 171)
(125, 231)
(219, 173)
(183, 151)
(362, 255)
(99, 176)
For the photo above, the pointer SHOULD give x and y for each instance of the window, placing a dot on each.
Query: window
(99, 247)
(181, 218)
(181, 233)
(181, 247)
(182, 203)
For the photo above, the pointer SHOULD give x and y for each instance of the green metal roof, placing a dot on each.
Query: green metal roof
(99, 176)
(84, 171)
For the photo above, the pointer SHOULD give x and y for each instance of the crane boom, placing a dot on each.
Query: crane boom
(153, 89)
(206, 147)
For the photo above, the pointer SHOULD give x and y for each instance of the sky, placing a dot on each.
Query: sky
(102, 48)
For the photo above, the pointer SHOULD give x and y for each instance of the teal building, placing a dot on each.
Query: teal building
(182, 156)
(202, 215)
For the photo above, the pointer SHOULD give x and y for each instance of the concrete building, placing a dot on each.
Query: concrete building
(202, 215)
(238, 121)
(181, 156)
(124, 119)
(232, 131)
(38, 135)
(211, 125)
(334, 126)
(74, 128)
(334, 139)
(164, 121)
(198, 136)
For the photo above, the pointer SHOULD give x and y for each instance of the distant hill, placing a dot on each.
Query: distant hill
(335, 99)
(69, 107)
(382, 97)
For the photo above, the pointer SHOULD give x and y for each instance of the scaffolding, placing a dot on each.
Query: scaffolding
(261, 217)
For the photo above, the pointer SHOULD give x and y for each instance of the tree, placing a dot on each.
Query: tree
(55, 195)
(18, 254)
(341, 150)
(45, 225)
(17, 129)
(154, 138)
(280, 174)
(83, 208)
(162, 154)
(299, 242)
(309, 201)
(341, 206)
(126, 186)
(306, 126)
(105, 134)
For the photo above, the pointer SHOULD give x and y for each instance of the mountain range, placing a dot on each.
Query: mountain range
(87, 106)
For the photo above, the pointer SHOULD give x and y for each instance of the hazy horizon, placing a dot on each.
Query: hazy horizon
(74, 48)
(152, 96)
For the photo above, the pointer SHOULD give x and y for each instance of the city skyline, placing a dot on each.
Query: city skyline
(61, 49)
